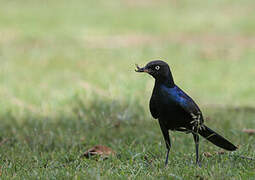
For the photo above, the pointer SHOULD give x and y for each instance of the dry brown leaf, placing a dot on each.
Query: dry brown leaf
(221, 152)
(249, 131)
(207, 154)
(100, 150)
(116, 125)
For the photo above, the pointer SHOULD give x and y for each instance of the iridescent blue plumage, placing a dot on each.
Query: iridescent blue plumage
(178, 97)
(175, 110)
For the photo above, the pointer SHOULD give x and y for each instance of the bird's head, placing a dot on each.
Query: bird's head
(158, 69)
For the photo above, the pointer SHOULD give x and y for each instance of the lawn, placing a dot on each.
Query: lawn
(67, 83)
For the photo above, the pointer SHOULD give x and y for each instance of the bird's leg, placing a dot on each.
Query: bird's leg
(196, 139)
(168, 145)
(167, 140)
(167, 153)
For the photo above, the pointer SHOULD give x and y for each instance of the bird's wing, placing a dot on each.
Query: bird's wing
(186, 103)
(153, 108)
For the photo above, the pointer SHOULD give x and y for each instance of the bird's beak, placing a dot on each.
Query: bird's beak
(143, 69)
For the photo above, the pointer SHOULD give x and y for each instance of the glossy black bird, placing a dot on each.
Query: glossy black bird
(176, 111)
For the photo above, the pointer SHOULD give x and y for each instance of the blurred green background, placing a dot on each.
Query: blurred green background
(67, 73)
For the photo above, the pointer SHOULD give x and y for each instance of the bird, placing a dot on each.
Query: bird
(177, 111)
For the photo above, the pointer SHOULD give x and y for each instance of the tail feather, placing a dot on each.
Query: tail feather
(216, 139)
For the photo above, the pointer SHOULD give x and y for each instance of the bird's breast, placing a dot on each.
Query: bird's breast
(165, 105)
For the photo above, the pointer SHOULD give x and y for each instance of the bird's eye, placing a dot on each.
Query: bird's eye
(157, 68)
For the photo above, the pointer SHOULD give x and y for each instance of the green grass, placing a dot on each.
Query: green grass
(67, 83)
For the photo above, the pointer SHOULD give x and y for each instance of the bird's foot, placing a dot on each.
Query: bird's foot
(166, 164)
(199, 164)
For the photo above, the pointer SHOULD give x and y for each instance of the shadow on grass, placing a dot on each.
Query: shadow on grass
(85, 122)
(118, 124)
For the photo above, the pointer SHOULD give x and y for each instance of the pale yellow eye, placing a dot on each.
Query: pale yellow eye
(157, 68)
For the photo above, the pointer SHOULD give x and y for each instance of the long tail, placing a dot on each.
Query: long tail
(216, 139)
